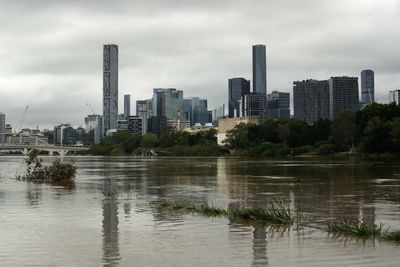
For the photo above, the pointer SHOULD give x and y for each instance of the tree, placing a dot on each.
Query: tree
(376, 138)
(237, 137)
(283, 132)
(343, 130)
(395, 134)
(149, 140)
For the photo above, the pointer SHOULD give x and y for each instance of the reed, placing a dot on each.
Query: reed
(392, 236)
(344, 227)
(275, 212)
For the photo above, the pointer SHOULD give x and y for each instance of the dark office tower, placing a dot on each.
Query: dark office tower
(110, 87)
(278, 105)
(237, 88)
(254, 105)
(343, 95)
(367, 87)
(311, 100)
(127, 106)
(259, 70)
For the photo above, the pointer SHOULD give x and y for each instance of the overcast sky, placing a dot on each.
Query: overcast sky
(51, 51)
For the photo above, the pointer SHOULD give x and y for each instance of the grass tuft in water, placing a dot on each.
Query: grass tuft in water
(392, 236)
(276, 212)
(344, 227)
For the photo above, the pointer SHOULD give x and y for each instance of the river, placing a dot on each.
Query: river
(44, 225)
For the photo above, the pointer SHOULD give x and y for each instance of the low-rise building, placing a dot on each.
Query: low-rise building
(226, 124)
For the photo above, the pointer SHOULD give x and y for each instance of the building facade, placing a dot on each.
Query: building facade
(394, 96)
(127, 106)
(278, 105)
(64, 135)
(237, 88)
(2, 128)
(144, 109)
(110, 87)
(254, 104)
(135, 125)
(259, 69)
(157, 125)
(167, 102)
(91, 122)
(367, 87)
(343, 95)
(311, 100)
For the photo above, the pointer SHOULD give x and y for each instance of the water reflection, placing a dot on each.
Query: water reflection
(111, 254)
(33, 194)
(259, 245)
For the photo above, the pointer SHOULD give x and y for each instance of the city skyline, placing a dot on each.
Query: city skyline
(59, 74)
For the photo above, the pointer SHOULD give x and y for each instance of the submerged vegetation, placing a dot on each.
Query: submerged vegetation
(58, 173)
(355, 229)
(344, 227)
(275, 212)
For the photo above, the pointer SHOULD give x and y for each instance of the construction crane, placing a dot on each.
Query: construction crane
(87, 104)
(23, 118)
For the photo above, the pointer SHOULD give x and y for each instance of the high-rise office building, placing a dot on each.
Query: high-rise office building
(127, 106)
(278, 105)
(144, 109)
(394, 97)
(253, 105)
(110, 87)
(311, 100)
(187, 109)
(367, 87)
(198, 111)
(157, 125)
(237, 88)
(91, 122)
(343, 95)
(2, 128)
(259, 70)
(135, 125)
(168, 103)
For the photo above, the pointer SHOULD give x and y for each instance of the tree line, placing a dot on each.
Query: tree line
(374, 129)
(202, 143)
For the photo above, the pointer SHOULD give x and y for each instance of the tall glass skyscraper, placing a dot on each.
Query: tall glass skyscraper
(127, 106)
(367, 87)
(237, 88)
(110, 87)
(2, 128)
(259, 70)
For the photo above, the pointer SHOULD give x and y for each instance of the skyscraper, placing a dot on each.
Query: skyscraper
(237, 88)
(144, 109)
(278, 105)
(167, 102)
(253, 105)
(394, 97)
(367, 87)
(2, 128)
(110, 87)
(127, 106)
(343, 95)
(259, 70)
(311, 100)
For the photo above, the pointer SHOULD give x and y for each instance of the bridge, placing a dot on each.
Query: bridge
(26, 148)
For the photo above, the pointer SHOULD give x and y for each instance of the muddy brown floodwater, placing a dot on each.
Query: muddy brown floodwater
(44, 225)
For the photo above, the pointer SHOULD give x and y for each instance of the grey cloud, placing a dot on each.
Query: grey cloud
(51, 51)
